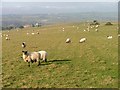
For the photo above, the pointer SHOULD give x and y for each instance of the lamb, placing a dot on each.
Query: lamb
(68, 40)
(82, 40)
(43, 55)
(31, 57)
(109, 37)
(23, 45)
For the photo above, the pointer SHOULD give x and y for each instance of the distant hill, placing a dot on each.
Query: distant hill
(45, 19)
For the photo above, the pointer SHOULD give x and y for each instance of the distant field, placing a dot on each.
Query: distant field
(93, 64)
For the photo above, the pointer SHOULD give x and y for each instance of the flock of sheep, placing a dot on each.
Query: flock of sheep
(68, 40)
(42, 55)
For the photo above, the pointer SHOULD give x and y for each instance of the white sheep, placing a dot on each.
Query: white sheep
(7, 35)
(97, 26)
(68, 40)
(37, 32)
(118, 35)
(88, 29)
(23, 45)
(109, 37)
(33, 33)
(96, 30)
(27, 33)
(82, 40)
(7, 38)
(43, 55)
(31, 57)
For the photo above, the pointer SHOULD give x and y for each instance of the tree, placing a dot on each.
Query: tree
(108, 23)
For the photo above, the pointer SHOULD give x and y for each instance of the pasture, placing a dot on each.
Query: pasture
(92, 64)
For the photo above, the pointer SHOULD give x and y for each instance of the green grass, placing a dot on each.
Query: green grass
(93, 64)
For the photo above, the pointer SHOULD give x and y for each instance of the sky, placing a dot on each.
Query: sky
(60, 0)
(57, 6)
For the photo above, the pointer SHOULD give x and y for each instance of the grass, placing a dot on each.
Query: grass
(93, 64)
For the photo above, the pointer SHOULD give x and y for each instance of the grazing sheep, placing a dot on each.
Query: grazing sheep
(68, 40)
(7, 38)
(37, 32)
(27, 33)
(82, 40)
(97, 26)
(32, 33)
(31, 57)
(109, 37)
(7, 35)
(23, 45)
(88, 29)
(96, 30)
(118, 35)
(84, 30)
(77, 27)
(43, 55)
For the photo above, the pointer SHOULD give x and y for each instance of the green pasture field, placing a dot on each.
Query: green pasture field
(93, 64)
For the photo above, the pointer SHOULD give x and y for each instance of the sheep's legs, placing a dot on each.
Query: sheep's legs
(45, 60)
(28, 64)
(38, 62)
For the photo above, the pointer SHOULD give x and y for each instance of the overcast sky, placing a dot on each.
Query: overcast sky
(57, 6)
(60, 0)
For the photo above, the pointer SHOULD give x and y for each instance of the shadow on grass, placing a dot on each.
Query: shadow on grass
(56, 62)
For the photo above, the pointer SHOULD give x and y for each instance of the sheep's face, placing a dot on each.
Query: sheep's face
(27, 59)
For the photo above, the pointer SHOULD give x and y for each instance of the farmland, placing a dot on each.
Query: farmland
(93, 64)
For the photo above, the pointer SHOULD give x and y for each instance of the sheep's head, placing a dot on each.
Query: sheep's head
(27, 59)
(25, 52)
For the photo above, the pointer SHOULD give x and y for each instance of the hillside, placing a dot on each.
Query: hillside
(92, 64)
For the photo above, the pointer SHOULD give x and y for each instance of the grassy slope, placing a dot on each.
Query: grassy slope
(79, 65)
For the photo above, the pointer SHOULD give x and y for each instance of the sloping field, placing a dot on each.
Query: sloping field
(93, 64)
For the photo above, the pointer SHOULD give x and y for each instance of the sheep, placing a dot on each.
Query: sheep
(68, 40)
(32, 33)
(31, 57)
(43, 55)
(77, 27)
(27, 33)
(37, 32)
(82, 40)
(7, 35)
(109, 37)
(88, 29)
(118, 35)
(97, 26)
(7, 38)
(96, 30)
(23, 45)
